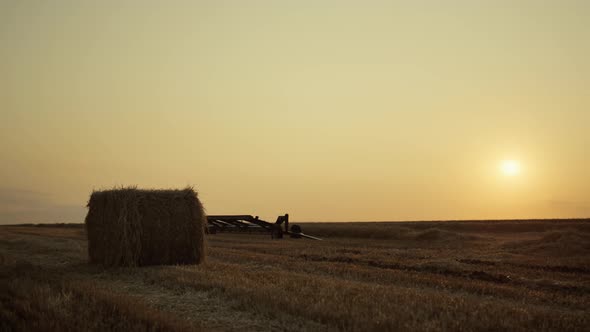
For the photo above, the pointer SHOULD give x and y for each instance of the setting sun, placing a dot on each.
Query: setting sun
(510, 167)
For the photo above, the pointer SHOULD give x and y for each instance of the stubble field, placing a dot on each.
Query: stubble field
(429, 276)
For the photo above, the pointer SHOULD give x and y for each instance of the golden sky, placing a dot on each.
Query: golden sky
(327, 110)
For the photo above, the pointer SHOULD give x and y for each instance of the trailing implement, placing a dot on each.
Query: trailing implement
(251, 224)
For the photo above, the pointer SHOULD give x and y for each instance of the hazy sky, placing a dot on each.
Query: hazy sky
(327, 110)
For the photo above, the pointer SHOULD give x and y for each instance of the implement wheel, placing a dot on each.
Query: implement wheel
(295, 231)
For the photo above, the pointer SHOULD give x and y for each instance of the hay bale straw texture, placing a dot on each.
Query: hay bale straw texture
(133, 227)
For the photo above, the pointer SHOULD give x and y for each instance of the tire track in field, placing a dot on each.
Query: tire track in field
(208, 308)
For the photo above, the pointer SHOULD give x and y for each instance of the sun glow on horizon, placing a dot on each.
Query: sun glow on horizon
(510, 167)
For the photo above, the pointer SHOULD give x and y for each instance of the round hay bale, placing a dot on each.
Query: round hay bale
(134, 227)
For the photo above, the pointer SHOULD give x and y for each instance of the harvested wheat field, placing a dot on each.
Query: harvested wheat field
(429, 276)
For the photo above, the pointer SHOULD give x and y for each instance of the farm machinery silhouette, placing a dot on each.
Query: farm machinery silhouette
(253, 224)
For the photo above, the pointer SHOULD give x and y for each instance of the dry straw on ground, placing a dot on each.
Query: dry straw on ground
(133, 227)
